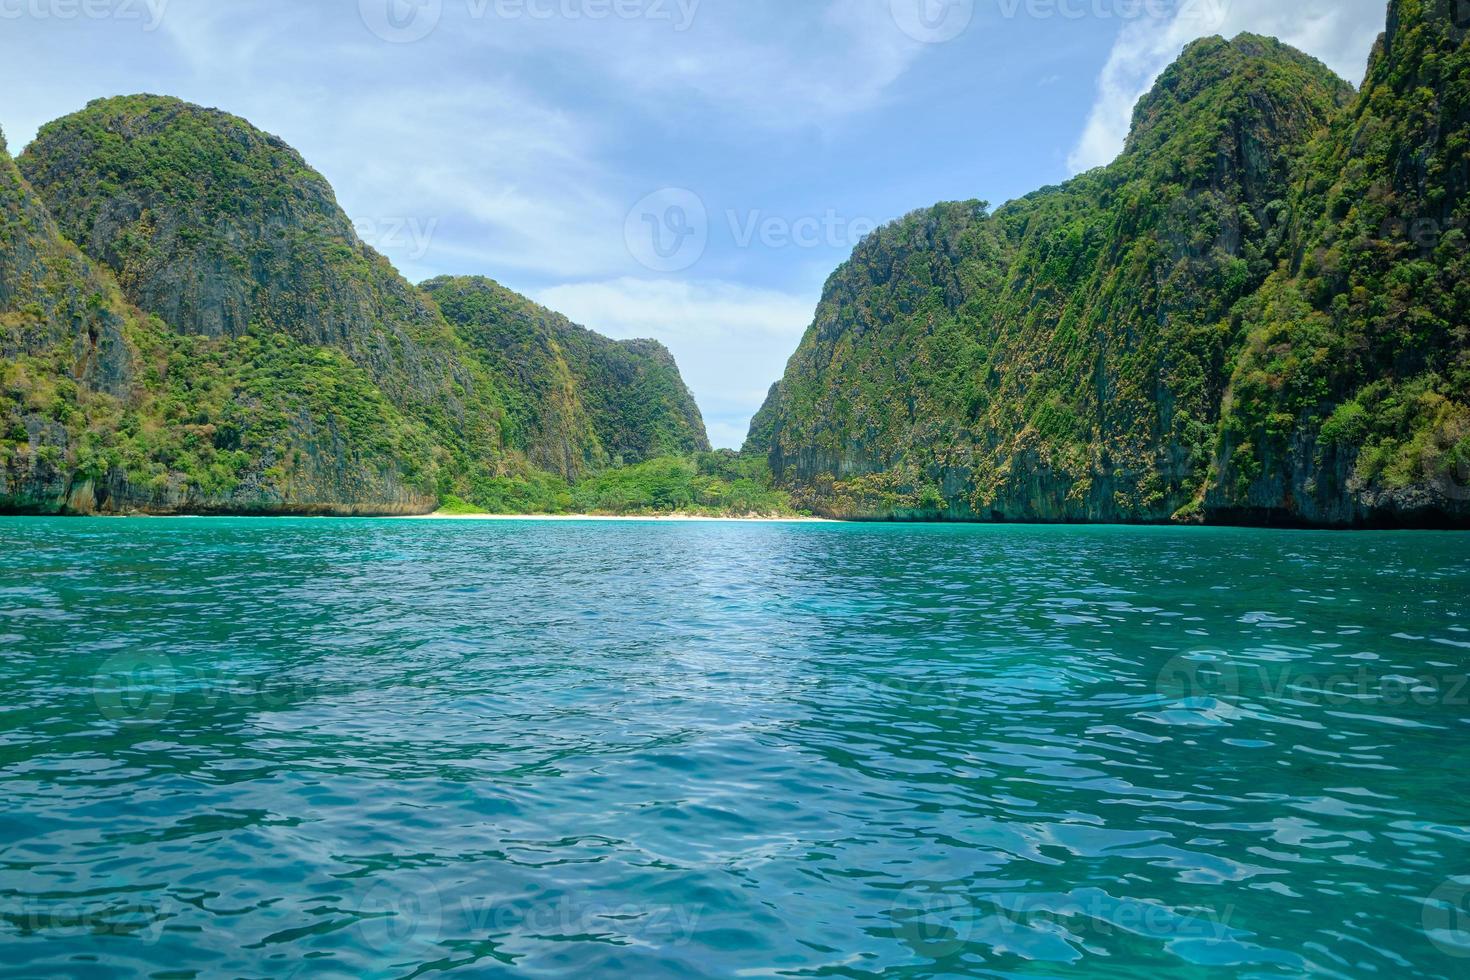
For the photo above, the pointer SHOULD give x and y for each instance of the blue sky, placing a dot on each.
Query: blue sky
(545, 143)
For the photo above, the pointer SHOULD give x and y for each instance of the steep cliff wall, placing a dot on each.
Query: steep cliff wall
(222, 342)
(1111, 349)
(578, 401)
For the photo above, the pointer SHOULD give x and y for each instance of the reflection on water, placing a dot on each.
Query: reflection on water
(292, 748)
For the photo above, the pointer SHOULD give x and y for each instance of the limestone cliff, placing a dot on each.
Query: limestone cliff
(577, 400)
(1182, 335)
(222, 342)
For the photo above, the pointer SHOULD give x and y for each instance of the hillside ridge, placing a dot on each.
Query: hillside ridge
(1152, 341)
(246, 352)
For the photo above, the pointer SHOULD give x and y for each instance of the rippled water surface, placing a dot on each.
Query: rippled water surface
(380, 749)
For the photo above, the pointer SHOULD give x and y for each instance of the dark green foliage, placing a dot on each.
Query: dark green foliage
(267, 409)
(712, 483)
(531, 493)
(576, 400)
(222, 230)
(1355, 356)
(1161, 338)
(277, 363)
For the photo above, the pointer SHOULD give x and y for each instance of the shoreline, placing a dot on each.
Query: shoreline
(702, 519)
(605, 518)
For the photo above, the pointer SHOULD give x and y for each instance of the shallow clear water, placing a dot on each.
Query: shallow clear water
(372, 749)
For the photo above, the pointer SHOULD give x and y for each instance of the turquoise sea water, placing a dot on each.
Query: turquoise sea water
(377, 749)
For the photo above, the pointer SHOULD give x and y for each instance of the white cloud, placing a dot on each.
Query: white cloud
(213, 38)
(515, 179)
(725, 336)
(513, 183)
(774, 79)
(770, 64)
(515, 146)
(1339, 32)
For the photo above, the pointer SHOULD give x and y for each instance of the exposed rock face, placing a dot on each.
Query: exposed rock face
(224, 343)
(105, 409)
(576, 400)
(1350, 399)
(63, 340)
(51, 295)
(222, 230)
(1102, 351)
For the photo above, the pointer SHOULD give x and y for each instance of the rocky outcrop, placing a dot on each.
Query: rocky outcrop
(52, 296)
(106, 410)
(1150, 341)
(1349, 403)
(577, 401)
(222, 230)
(64, 347)
(222, 342)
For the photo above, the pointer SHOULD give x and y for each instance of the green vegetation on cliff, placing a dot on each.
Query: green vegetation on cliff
(1259, 312)
(584, 402)
(1353, 374)
(711, 484)
(223, 342)
(222, 231)
(1168, 336)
